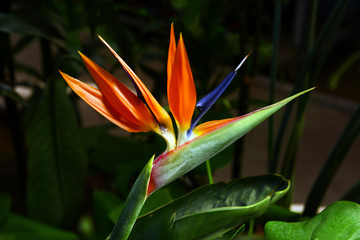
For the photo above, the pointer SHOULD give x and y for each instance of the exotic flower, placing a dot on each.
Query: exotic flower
(141, 112)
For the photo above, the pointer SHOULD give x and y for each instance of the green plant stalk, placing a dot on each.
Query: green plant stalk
(251, 227)
(209, 172)
(332, 164)
(288, 167)
(309, 80)
(272, 162)
(323, 40)
(133, 205)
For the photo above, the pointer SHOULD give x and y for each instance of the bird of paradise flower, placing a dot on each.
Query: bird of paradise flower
(141, 112)
(192, 145)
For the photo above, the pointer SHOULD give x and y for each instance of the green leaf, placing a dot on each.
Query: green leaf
(155, 200)
(133, 205)
(20, 228)
(341, 220)
(213, 210)
(57, 161)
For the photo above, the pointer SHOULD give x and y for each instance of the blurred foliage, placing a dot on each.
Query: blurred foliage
(67, 171)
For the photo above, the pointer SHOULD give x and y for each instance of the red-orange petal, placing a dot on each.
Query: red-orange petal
(97, 101)
(171, 56)
(160, 114)
(119, 96)
(182, 93)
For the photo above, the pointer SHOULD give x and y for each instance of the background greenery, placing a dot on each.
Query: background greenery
(57, 173)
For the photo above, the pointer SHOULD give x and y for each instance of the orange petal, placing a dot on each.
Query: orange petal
(171, 56)
(96, 100)
(119, 96)
(211, 125)
(160, 114)
(182, 93)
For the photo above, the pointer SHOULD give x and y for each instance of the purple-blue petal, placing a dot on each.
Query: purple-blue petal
(206, 102)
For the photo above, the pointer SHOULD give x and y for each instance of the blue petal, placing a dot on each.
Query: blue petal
(206, 102)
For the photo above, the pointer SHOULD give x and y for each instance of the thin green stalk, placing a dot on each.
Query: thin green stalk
(209, 172)
(251, 228)
(272, 162)
(323, 40)
(332, 164)
(133, 205)
(289, 163)
(309, 80)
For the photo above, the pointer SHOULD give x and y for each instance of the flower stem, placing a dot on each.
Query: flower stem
(209, 173)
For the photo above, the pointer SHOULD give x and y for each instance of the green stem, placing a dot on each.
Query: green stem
(314, 55)
(133, 205)
(251, 227)
(209, 173)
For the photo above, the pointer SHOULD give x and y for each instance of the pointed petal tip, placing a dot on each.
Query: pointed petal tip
(81, 54)
(242, 62)
(103, 40)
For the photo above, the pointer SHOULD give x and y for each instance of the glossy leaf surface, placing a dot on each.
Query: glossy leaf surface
(341, 220)
(213, 210)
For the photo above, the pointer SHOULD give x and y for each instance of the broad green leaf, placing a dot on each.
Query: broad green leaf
(339, 221)
(211, 211)
(57, 161)
(133, 205)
